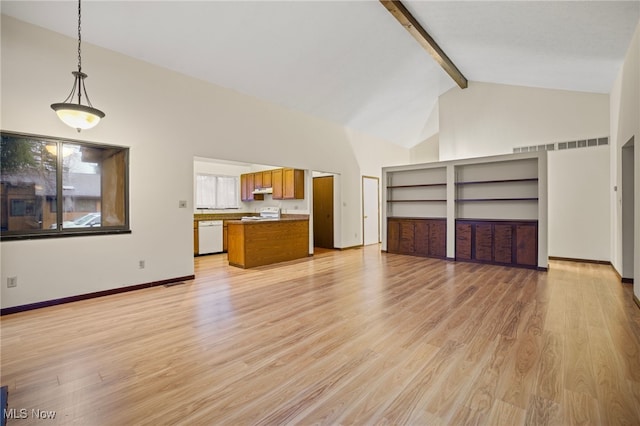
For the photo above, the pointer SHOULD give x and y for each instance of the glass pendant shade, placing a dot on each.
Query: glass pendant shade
(79, 117)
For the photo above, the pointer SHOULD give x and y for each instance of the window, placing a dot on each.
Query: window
(216, 192)
(82, 191)
(21, 207)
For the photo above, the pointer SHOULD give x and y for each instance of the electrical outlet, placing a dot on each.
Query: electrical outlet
(12, 282)
(141, 264)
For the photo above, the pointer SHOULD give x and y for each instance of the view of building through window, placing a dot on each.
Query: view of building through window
(52, 186)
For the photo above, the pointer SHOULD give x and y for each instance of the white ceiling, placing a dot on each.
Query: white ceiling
(351, 62)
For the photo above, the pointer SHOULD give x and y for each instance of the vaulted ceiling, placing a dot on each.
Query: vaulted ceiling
(351, 62)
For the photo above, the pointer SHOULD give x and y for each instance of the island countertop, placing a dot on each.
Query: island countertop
(263, 242)
(256, 221)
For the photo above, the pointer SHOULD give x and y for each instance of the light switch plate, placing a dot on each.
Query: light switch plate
(182, 204)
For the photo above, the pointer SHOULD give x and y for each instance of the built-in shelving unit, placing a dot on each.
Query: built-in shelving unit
(490, 209)
(497, 190)
(417, 208)
(417, 193)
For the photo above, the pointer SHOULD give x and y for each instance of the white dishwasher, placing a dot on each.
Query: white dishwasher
(209, 236)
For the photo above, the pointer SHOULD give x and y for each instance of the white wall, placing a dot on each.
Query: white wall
(372, 155)
(625, 124)
(166, 119)
(426, 151)
(491, 119)
(579, 213)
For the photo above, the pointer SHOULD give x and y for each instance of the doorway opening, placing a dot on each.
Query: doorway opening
(628, 225)
(323, 211)
(370, 210)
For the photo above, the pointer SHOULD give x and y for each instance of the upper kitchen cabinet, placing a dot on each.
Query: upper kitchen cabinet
(276, 183)
(247, 185)
(266, 179)
(293, 184)
(257, 181)
(262, 180)
(288, 184)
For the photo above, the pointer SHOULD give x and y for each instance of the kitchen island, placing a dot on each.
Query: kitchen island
(254, 243)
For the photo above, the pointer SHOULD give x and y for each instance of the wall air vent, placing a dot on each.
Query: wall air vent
(583, 143)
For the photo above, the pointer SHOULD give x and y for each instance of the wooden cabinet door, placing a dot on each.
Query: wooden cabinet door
(243, 187)
(266, 179)
(293, 184)
(438, 238)
(484, 242)
(298, 184)
(276, 184)
(463, 241)
(503, 243)
(393, 236)
(421, 237)
(257, 180)
(249, 187)
(407, 237)
(288, 184)
(526, 245)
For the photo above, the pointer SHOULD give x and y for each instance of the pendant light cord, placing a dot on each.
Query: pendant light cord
(77, 115)
(79, 37)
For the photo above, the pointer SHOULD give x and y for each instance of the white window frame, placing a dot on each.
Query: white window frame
(217, 192)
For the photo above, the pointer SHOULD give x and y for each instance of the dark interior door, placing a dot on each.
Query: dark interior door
(323, 212)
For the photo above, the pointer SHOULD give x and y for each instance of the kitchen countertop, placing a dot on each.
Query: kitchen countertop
(228, 217)
(282, 219)
(221, 216)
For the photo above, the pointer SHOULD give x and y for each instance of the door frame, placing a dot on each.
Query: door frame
(627, 196)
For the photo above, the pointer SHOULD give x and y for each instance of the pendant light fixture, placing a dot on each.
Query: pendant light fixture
(72, 114)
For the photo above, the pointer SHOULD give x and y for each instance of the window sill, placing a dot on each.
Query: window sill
(63, 234)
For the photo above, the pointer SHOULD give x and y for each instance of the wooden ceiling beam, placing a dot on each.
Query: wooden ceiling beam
(406, 19)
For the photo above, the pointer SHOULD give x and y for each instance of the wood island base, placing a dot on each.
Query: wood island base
(259, 243)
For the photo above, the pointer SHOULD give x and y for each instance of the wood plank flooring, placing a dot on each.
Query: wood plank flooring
(345, 337)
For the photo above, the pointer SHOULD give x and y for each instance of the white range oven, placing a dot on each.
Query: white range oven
(266, 213)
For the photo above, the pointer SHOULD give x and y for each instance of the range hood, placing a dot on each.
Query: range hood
(263, 191)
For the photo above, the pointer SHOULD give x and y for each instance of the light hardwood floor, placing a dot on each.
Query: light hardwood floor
(351, 337)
